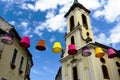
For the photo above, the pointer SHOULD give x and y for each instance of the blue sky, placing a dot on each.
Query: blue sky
(44, 19)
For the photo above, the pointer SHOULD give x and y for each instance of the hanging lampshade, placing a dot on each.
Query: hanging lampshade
(85, 51)
(41, 45)
(25, 42)
(57, 47)
(72, 49)
(111, 53)
(99, 52)
(7, 39)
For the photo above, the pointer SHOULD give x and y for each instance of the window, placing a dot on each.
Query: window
(102, 60)
(71, 23)
(14, 56)
(21, 63)
(72, 40)
(118, 64)
(13, 59)
(84, 21)
(75, 75)
(3, 79)
(119, 72)
(22, 58)
(105, 72)
(1, 48)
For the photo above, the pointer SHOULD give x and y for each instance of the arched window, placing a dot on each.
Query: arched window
(72, 40)
(71, 23)
(75, 75)
(119, 72)
(105, 72)
(102, 60)
(84, 20)
(118, 64)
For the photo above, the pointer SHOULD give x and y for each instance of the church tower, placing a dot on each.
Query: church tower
(90, 61)
(79, 30)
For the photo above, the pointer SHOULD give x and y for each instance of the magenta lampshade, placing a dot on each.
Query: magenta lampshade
(7, 39)
(85, 51)
(111, 53)
(25, 42)
(72, 49)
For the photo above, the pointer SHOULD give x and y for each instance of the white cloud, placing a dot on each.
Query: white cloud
(52, 23)
(36, 71)
(114, 37)
(52, 39)
(50, 14)
(90, 4)
(115, 34)
(110, 11)
(48, 69)
(102, 39)
(12, 23)
(24, 24)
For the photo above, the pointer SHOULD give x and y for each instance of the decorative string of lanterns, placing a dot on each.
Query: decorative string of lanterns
(57, 48)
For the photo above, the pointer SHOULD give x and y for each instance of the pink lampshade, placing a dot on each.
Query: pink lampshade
(7, 39)
(72, 49)
(111, 53)
(85, 51)
(25, 42)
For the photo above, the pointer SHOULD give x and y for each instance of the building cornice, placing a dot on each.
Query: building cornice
(74, 6)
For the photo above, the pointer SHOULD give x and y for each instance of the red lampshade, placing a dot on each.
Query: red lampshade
(72, 49)
(25, 42)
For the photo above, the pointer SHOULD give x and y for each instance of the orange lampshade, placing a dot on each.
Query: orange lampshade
(57, 47)
(41, 45)
(99, 52)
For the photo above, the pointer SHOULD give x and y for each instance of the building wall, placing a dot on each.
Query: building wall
(7, 55)
(89, 68)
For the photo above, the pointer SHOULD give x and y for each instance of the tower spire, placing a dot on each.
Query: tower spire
(75, 1)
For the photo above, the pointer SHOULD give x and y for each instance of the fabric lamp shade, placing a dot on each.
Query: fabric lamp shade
(57, 47)
(7, 39)
(85, 51)
(99, 52)
(25, 42)
(72, 49)
(41, 45)
(111, 53)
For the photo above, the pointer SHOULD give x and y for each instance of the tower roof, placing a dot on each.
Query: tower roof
(76, 4)
(75, 1)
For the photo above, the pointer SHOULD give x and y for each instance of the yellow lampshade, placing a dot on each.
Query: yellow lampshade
(57, 47)
(99, 52)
